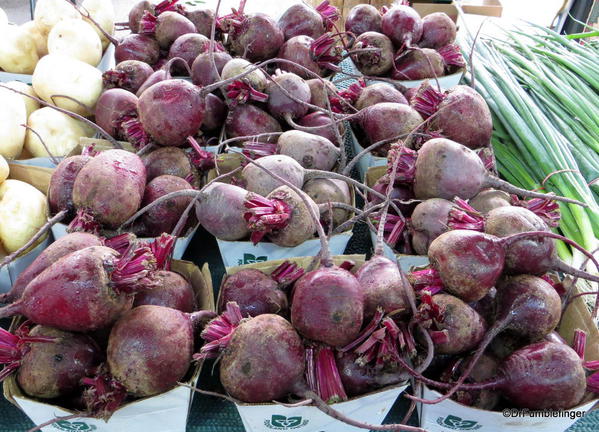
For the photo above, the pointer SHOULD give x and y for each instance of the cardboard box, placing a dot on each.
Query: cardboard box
(106, 62)
(36, 177)
(449, 415)
(240, 252)
(371, 408)
(166, 412)
(492, 8)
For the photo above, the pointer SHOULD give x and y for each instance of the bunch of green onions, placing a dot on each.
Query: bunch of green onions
(543, 91)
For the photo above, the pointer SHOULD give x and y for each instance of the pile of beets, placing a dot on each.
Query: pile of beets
(396, 42)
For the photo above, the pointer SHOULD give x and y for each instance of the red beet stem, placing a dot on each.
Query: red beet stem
(310, 372)
(114, 77)
(428, 309)
(426, 100)
(546, 209)
(439, 336)
(347, 265)
(219, 331)
(256, 150)
(84, 221)
(14, 346)
(579, 342)
(203, 160)
(287, 273)
(120, 243)
(463, 216)
(328, 380)
(104, 394)
(147, 25)
(367, 331)
(452, 56)
(426, 279)
(241, 92)
(166, 5)
(134, 132)
(593, 383)
(134, 271)
(162, 248)
(326, 53)
(329, 14)
(382, 346)
(90, 150)
(264, 216)
(405, 167)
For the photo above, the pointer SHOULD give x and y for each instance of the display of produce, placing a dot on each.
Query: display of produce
(434, 275)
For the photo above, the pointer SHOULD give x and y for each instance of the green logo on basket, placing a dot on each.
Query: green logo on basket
(251, 259)
(456, 423)
(79, 426)
(279, 422)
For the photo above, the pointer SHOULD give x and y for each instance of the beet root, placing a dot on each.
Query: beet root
(128, 75)
(438, 30)
(113, 107)
(137, 47)
(110, 187)
(327, 306)
(255, 369)
(489, 199)
(378, 93)
(60, 190)
(256, 37)
(54, 368)
(150, 349)
(322, 124)
(373, 62)
(418, 64)
(279, 104)
(167, 161)
(402, 25)
(255, 292)
(323, 191)
(429, 221)
(172, 290)
(77, 292)
(383, 286)
(202, 70)
(61, 247)
(301, 19)
(311, 151)
(363, 18)
(258, 181)
(246, 120)
(388, 120)
(221, 212)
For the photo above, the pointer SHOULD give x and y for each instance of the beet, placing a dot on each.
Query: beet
(202, 19)
(172, 290)
(170, 111)
(215, 113)
(418, 64)
(260, 182)
(301, 19)
(77, 292)
(311, 151)
(112, 108)
(128, 75)
(60, 190)
(429, 221)
(255, 370)
(150, 348)
(202, 71)
(489, 199)
(399, 193)
(137, 47)
(221, 213)
(282, 106)
(255, 37)
(167, 161)
(388, 120)
(188, 47)
(167, 27)
(247, 120)
(59, 248)
(254, 291)
(326, 130)
(320, 91)
(298, 50)
(110, 187)
(136, 12)
(358, 380)
(464, 116)
(49, 362)
(164, 216)
(323, 191)
(363, 18)
(327, 306)
(402, 25)
(374, 62)
(383, 286)
(464, 327)
(438, 30)
(378, 93)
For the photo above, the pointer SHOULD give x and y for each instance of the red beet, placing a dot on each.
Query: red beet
(85, 290)
(137, 47)
(377, 93)
(373, 62)
(363, 18)
(319, 118)
(438, 30)
(136, 12)
(402, 25)
(167, 161)
(282, 106)
(255, 37)
(418, 64)
(202, 19)
(166, 28)
(388, 120)
(60, 190)
(221, 213)
(188, 47)
(113, 107)
(128, 75)
(328, 305)
(172, 290)
(202, 71)
(301, 19)
(246, 120)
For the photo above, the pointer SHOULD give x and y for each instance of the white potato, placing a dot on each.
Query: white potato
(3, 17)
(30, 104)
(23, 211)
(49, 12)
(4, 170)
(62, 75)
(12, 115)
(102, 12)
(76, 39)
(39, 38)
(60, 133)
(18, 53)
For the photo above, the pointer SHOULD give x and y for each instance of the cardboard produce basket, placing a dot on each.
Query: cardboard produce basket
(371, 408)
(450, 415)
(240, 252)
(37, 177)
(166, 412)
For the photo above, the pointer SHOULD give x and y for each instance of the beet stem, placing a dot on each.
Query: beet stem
(134, 271)
(368, 330)
(120, 243)
(497, 183)
(328, 380)
(85, 222)
(43, 229)
(579, 343)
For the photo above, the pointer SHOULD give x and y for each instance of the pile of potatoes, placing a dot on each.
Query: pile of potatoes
(23, 211)
(61, 50)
